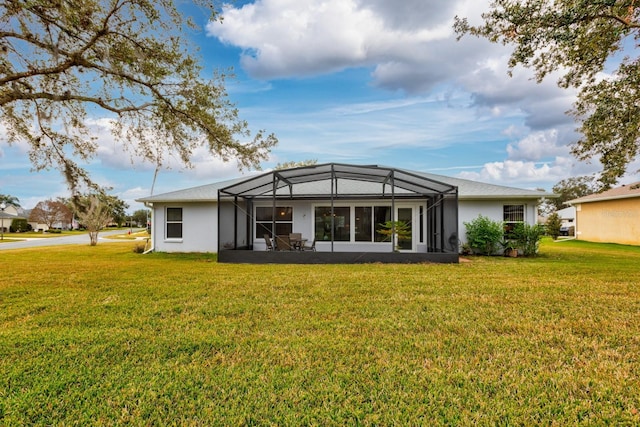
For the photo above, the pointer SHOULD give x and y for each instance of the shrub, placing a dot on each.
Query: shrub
(484, 235)
(139, 248)
(20, 225)
(528, 237)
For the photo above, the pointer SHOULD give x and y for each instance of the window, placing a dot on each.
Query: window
(174, 223)
(364, 224)
(512, 215)
(283, 220)
(381, 214)
(341, 223)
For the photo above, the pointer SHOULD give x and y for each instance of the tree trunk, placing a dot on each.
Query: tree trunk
(93, 235)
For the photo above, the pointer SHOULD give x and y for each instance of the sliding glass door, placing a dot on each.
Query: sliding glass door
(405, 215)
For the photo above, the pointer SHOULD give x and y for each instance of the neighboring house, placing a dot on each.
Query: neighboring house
(59, 225)
(568, 221)
(339, 207)
(7, 215)
(67, 224)
(612, 216)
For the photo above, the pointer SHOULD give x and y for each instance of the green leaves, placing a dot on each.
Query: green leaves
(527, 238)
(128, 60)
(484, 234)
(401, 229)
(577, 38)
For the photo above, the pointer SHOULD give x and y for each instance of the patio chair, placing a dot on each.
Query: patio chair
(283, 243)
(295, 239)
(311, 247)
(270, 246)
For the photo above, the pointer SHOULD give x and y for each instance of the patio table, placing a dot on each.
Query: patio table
(297, 244)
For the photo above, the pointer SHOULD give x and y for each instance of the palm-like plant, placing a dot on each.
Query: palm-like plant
(9, 200)
(401, 230)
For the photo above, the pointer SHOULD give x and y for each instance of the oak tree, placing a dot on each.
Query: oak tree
(117, 207)
(574, 188)
(63, 62)
(577, 38)
(140, 217)
(295, 164)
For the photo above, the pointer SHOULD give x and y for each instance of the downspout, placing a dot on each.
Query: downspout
(153, 229)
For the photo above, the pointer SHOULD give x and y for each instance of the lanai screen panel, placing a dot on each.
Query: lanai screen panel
(338, 180)
(341, 181)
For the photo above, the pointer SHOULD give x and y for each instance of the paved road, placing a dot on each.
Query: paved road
(75, 239)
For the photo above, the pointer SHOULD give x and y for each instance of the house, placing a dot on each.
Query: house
(567, 221)
(612, 216)
(339, 207)
(7, 214)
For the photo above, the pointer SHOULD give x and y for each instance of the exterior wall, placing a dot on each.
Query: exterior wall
(468, 210)
(199, 228)
(610, 221)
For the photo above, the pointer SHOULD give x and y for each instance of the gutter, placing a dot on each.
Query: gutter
(601, 199)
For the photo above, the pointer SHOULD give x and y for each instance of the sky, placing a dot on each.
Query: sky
(355, 81)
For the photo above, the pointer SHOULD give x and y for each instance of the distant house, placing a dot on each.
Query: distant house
(612, 216)
(7, 215)
(337, 206)
(568, 221)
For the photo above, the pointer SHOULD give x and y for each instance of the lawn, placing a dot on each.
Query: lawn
(9, 237)
(104, 336)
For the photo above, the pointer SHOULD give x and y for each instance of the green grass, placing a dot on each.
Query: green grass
(103, 336)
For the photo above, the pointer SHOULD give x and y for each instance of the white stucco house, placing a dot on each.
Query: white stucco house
(7, 214)
(338, 207)
(567, 221)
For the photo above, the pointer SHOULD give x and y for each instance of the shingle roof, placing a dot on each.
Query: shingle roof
(202, 193)
(623, 192)
(467, 189)
(470, 190)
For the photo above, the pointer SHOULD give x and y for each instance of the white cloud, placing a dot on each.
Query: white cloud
(537, 146)
(291, 37)
(285, 38)
(119, 155)
(410, 47)
(517, 173)
(509, 171)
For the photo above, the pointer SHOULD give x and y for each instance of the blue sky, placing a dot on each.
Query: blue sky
(356, 81)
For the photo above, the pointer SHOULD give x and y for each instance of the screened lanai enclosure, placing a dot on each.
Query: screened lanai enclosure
(339, 213)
